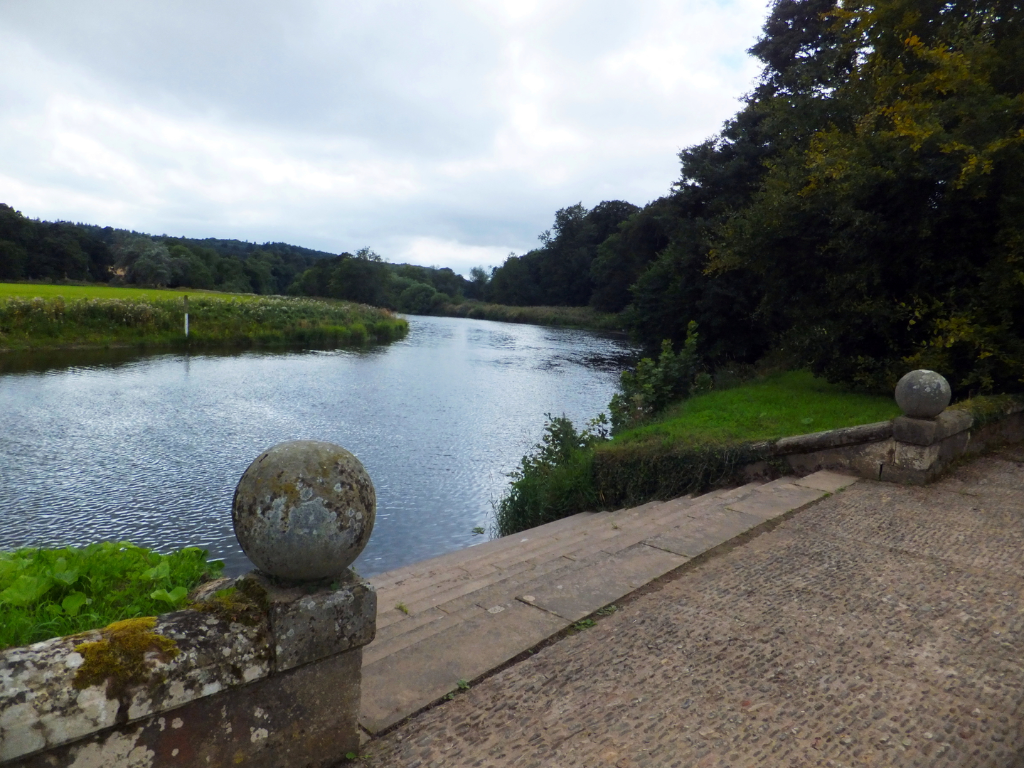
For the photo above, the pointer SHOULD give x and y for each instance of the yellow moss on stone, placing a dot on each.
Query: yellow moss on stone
(231, 605)
(119, 659)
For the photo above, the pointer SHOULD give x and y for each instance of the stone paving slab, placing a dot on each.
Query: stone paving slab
(401, 683)
(850, 635)
(580, 592)
(775, 501)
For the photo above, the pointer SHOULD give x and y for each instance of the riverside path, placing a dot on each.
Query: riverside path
(804, 622)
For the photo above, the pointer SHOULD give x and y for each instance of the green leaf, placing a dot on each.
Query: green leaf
(66, 577)
(173, 597)
(25, 590)
(73, 603)
(161, 571)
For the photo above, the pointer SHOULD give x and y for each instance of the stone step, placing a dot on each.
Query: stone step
(399, 684)
(698, 534)
(494, 590)
(489, 565)
(473, 611)
(437, 585)
(625, 533)
(434, 589)
(492, 598)
(484, 549)
(668, 518)
(575, 593)
(493, 555)
(552, 545)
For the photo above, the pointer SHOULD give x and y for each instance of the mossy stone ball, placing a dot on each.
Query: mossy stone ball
(304, 510)
(923, 394)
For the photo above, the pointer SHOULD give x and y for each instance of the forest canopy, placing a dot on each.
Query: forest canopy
(864, 209)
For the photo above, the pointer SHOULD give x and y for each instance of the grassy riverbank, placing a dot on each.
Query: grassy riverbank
(47, 316)
(776, 406)
(568, 317)
(48, 593)
(693, 445)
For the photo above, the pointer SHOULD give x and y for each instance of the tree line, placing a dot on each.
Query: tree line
(56, 251)
(863, 210)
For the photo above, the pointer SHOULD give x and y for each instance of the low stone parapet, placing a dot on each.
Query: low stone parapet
(266, 674)
(913, 449)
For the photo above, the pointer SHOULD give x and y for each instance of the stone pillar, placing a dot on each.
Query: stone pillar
(928, 435)
(303, 511)
(269, 678)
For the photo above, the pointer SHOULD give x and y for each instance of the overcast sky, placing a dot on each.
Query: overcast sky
(444, 132)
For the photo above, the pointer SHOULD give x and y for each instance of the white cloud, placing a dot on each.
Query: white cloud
(447, 132)
(433, 252)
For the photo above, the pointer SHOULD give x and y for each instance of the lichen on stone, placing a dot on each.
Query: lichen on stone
(232, 604)
(119, 658)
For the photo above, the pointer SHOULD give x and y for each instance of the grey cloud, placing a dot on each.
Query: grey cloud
(341, 124)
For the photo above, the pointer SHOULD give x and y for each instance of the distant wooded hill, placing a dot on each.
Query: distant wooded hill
(59, 250)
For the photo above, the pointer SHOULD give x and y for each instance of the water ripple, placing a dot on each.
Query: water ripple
(150, 449)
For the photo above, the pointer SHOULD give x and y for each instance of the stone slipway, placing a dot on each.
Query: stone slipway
(459, 616)
(882, 626)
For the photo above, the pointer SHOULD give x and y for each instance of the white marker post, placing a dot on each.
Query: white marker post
(186, 315)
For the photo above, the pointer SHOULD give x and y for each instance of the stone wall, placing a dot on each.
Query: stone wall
(262, 671)
(278, 687)
(904, 450)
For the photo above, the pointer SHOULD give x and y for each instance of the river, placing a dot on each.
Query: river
(112, 446)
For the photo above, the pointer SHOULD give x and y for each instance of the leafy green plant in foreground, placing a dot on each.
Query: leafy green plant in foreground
(48, 593)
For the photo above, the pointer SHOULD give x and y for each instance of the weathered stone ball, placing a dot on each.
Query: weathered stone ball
(304, 510)
(923, 394)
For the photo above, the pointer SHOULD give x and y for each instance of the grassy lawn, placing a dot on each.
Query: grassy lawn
(780, 405)
(31, 290)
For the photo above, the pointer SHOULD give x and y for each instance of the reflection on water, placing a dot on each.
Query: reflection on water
(107, 445)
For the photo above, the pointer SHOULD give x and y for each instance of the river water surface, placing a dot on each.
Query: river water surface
(107, 446)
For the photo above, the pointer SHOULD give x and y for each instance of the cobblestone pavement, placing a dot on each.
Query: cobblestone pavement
(881, 626)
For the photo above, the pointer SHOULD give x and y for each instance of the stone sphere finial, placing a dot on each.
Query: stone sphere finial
(304, 510)
(923, 394)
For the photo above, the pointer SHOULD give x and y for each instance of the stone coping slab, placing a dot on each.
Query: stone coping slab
(187, 656)
(40, 707)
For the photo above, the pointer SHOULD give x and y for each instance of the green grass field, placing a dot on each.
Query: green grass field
(54, 317)
(31, 290)
(780, 405)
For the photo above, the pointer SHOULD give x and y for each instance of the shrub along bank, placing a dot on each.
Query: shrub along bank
(689, 447)
(214, 320)
(569, 317)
